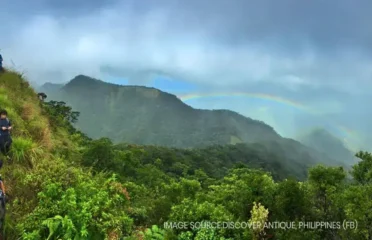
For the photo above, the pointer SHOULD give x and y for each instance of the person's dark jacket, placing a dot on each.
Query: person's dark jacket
(5, 123)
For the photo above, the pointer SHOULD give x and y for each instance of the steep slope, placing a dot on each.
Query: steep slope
(44, 181)
(324, 142)
(144, 115)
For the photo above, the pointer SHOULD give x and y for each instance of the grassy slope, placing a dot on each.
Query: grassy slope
(41, 158)
(33, 141)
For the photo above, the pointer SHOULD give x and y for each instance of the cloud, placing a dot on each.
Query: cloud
(317, 52)
(220, 42)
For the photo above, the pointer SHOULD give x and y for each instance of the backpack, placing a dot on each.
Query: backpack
(1, 191)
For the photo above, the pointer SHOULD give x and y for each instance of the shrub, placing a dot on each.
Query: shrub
(24, 150)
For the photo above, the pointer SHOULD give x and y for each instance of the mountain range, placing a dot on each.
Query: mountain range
(148, 116)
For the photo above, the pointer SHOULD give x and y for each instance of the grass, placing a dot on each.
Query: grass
(43, 157)
(23, 107)
(34, 143)
(25, 151)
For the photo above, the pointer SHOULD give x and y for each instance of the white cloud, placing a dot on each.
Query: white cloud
(123, 39)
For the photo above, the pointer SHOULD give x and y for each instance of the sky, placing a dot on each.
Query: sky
(316, 54)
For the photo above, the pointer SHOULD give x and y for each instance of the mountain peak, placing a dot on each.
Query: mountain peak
(48, 86)
(82, 80)
(86, 83)
(146, 115)
(322, 132)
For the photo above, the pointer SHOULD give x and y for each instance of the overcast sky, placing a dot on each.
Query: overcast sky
(316, 52)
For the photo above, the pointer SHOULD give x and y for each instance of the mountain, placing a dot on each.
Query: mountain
(148, 116)
(34, 85)
(324, 142)
(50, 87)
(56, 171)
(145, 115)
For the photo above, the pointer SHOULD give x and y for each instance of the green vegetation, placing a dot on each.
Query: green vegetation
(63, 185)
(105, 109)
(148, 116)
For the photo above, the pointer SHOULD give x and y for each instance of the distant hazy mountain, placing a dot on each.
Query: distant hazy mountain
(50, 87)
(143, 115)
(324, 142)
(34, 84)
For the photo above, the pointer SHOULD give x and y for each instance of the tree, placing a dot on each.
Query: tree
(59, 109)
(241, 188)
(100, 154)
(326, 185)
(259, 216)
(358, 208)
(290, 201)
(362, 172)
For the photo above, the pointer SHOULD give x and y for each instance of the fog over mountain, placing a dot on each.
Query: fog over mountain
(149, 116)
(294, 65)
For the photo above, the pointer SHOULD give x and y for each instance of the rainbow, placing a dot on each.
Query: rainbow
(351, 134)
(188, 97)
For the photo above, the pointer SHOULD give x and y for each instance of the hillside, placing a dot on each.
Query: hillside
(324, 142)
(144, 115)
(49, 156)
(63, 185)
(216, 161)
(44, 185)
(148, 116)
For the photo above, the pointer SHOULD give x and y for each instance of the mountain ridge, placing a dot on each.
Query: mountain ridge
(325, 142)
(149, 116)
(83, 79)
(157, 99)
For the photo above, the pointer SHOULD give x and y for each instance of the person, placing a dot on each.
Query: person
(42, 96)
(1, 63)
(2, 188)
(2, 207)
(5, 138)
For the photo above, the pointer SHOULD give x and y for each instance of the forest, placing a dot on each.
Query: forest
(64, 185)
